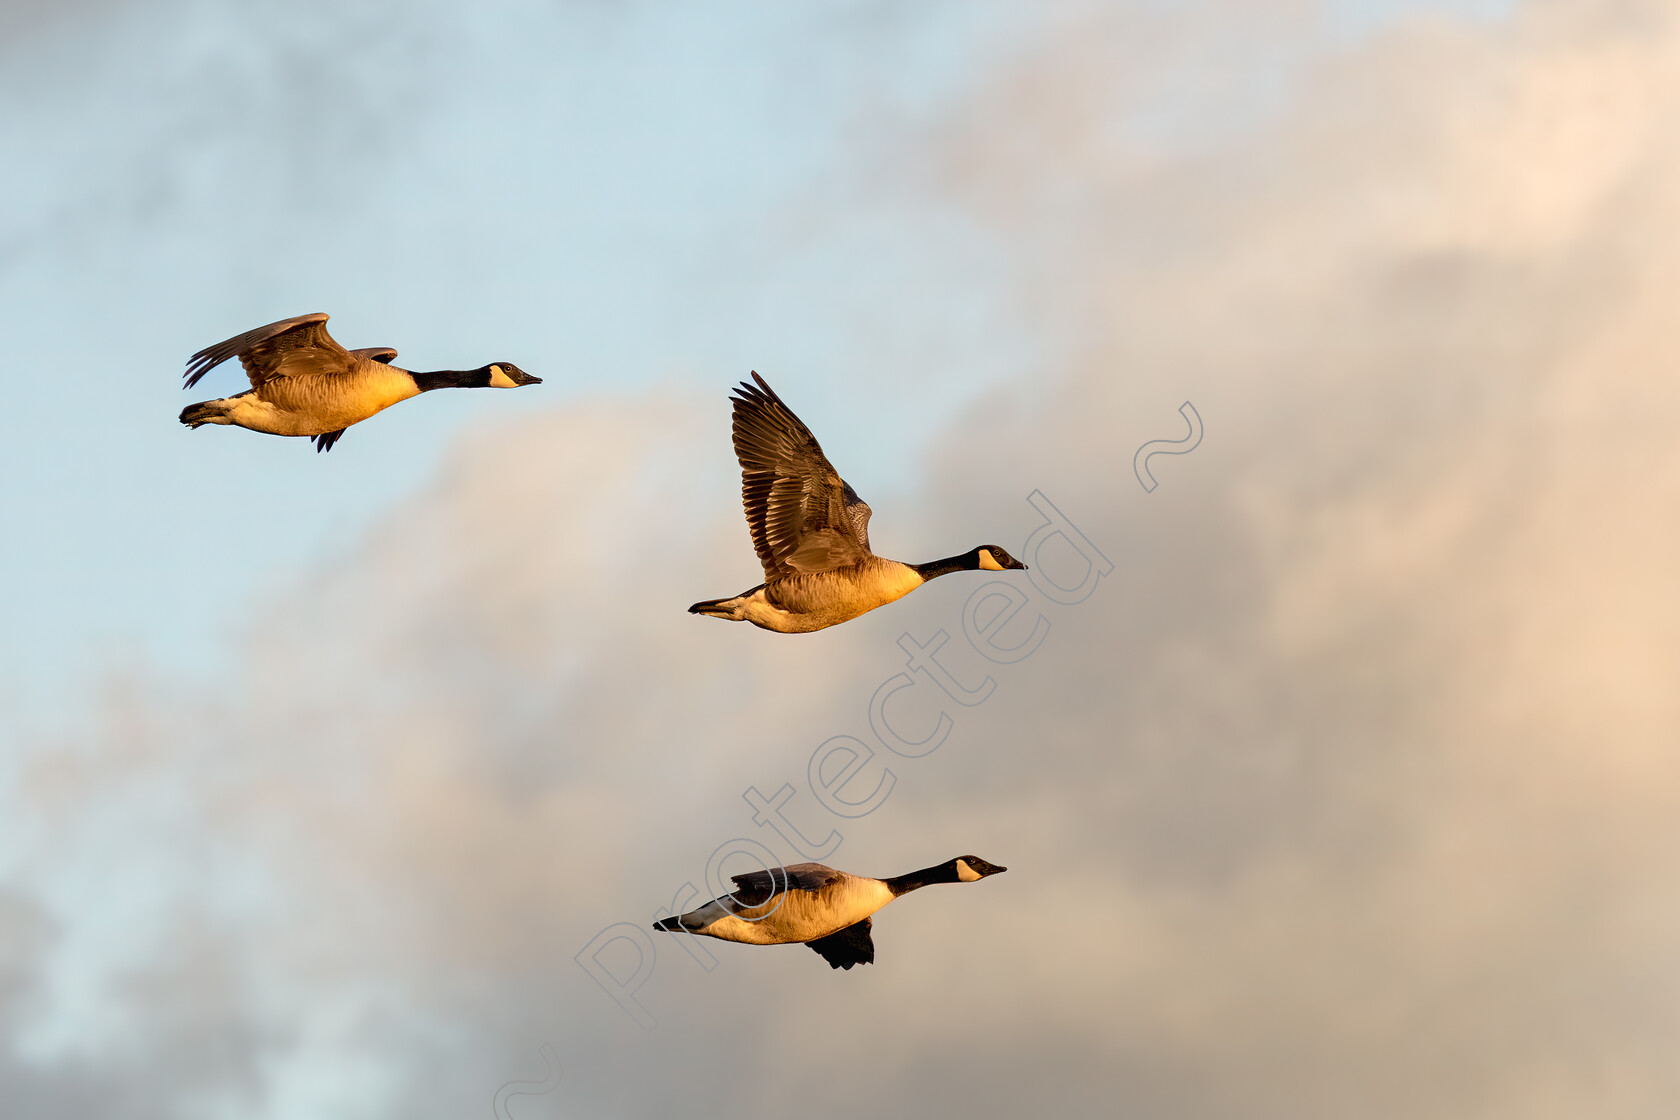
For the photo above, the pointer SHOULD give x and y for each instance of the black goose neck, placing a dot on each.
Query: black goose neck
(451, 379)
(967, 562)
(904, 884)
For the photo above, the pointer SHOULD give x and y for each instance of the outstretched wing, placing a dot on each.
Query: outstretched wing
(288, 348)
(803, 515)
(376, 353)
(852, 945)
(755, 888)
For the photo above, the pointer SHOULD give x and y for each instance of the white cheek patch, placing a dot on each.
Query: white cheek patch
(965, 873)
(987, 564)
(500, 380)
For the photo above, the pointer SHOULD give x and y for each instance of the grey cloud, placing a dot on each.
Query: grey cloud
(22, 22)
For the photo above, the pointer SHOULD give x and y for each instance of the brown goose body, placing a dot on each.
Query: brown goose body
(807, 601)
(303, 383)
(811, 530)
(812, 904)
(314, 404)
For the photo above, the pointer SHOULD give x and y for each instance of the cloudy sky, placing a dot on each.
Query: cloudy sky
(1345, 788)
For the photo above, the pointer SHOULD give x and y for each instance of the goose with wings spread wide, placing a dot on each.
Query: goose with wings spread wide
(811, 530)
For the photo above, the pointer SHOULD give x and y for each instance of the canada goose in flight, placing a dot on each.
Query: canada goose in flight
(305, 384)
(811, 530)
(818, 906)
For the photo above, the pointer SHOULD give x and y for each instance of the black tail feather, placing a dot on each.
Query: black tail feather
(201, 413)
(715, 607)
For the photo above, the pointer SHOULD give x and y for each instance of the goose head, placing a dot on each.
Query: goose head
(991, 558)
(971, 869)
(506, 375)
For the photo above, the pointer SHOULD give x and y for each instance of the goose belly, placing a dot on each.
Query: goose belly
(797, 916)
(310, 405)
(828, 598)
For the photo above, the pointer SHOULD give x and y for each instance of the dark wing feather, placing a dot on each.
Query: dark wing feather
(803, 515)
(325, 441)
(288, 348)
(850, 946)
(376, 353)
(755, 888)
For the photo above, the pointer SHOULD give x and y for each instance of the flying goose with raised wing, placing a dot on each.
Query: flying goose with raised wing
(810, 904)
(811, 530)
(303, 383)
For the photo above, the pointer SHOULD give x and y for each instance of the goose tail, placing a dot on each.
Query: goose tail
(719, 608)
(692, 922)
(205, 412)
(751, 605)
